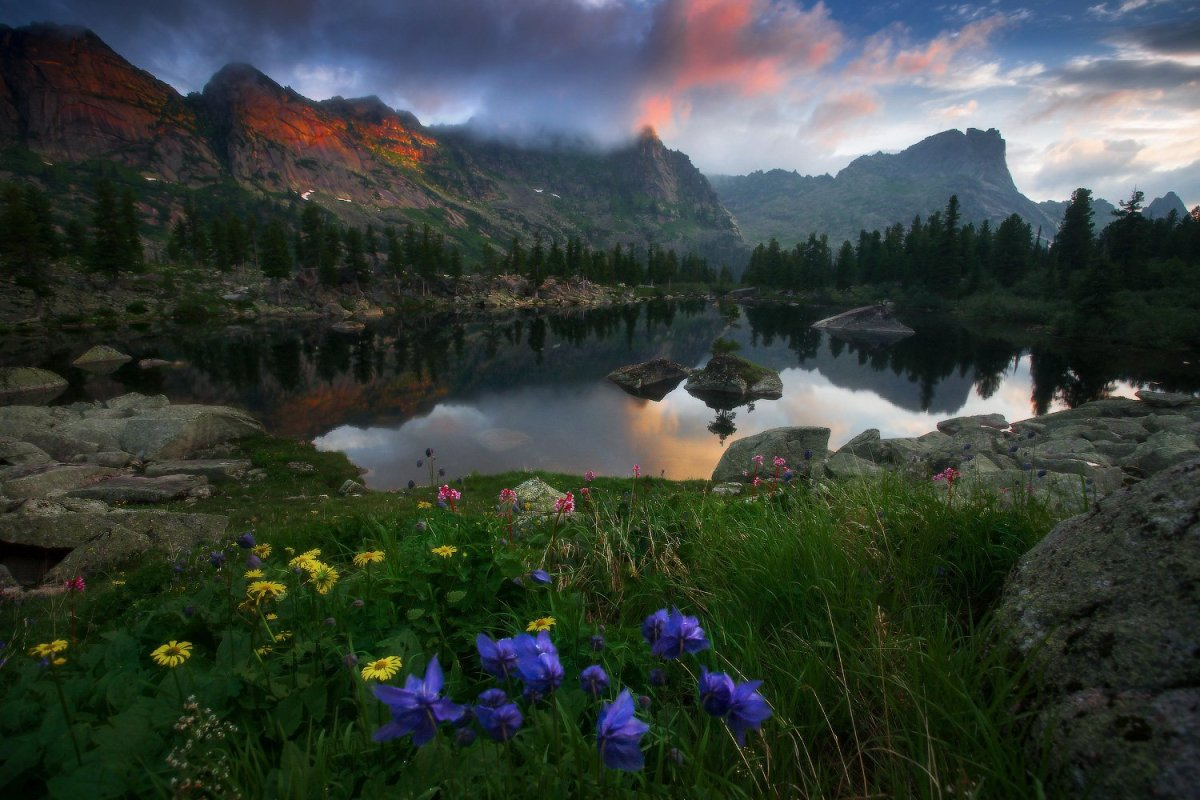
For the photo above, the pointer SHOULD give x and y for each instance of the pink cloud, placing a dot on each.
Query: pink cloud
(885, 61)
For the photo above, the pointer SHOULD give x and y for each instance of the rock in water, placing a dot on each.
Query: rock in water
(653, 379)
(877, 319)
(101, 354)
(730, 377)
(30, 384)
(1107, 606)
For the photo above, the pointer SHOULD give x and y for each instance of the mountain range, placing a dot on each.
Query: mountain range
(69, 104)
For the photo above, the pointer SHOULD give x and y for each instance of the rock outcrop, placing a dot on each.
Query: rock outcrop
(797, 446)
(730, 378)
(653, 379)
(30, 384)
(876, 320)
(1106, 607)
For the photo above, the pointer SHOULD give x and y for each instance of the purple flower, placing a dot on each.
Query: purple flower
(350, 659)
(716, 692)
(747, 710)
(808, 455)
(658, 677)
(418, 708)
(253, 561)
(542, 673)
(499, 722)
(529, 645)
(681, 635)
(429, 452)
(491, 698)
(540, 577)
(619, 734)
(1041, 473)
(216, 558)
(420, 463)
(465, 737)
(499, 658)
(412, 484)
(597, 642)
(246, 540)
(594, 680)
(653, 625)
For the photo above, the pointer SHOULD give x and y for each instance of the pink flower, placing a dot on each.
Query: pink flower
(565, 505)
(448, 494)
(779, 462)
(949, 475)
(757, 481)
(589, 476)
(637, 470)
(508, 496)
(75, 584)
(758, 461)
(586, 493)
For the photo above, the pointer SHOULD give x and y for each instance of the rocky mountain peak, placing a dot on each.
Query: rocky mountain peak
(1161, 207)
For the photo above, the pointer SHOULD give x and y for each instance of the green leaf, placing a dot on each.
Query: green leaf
(455, 596)
(415, 614)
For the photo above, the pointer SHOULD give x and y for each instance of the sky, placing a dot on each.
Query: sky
(1099, 94)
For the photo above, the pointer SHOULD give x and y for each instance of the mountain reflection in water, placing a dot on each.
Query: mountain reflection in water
(528, 390)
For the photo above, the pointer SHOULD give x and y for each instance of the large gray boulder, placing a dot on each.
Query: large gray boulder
(141, 489)
(874, 319)
(790, 443)
(86, 542)
(1106, 606)
(535, 496)
(102, 355)
(223, 469)
(41, 481)
(30, 384)
(729, 377)
(653, 379)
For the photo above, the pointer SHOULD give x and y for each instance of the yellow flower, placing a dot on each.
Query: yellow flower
(306, 560)
(262, 651)
(260, 591)
(172, 654)
(323, 577)
(424, 504)
(48, 649)
(382, 668)
(262, 550)
(445, 551)
(118, 582)
(272, 616)
(540, 624)
(58, 662)
(254, 573)
(369, 557)
(283, 636)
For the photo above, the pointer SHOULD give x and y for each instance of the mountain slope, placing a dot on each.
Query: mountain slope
(66, 97)
(876, 191)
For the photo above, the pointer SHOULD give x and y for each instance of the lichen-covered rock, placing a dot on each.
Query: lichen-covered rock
(789, 443)
(1106, 606)
(102, 354)
(652, 379)
(728, 375)
(141, 489)
(214, 469)
(21, 453)
(848, 465)
(959, 424)
(41, 481)
(36, 384)
(535, 496)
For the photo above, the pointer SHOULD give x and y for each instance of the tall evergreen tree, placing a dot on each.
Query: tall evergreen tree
(1073, 246)
(108, 242)
(276, 255)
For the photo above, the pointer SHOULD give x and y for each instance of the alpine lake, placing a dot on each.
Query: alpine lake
(527, 390)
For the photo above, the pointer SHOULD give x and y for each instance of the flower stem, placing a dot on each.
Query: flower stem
(62, 701)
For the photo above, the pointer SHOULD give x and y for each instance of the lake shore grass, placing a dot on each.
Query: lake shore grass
(862, 606)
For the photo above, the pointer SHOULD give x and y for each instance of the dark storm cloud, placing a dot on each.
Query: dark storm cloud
(1175, 39)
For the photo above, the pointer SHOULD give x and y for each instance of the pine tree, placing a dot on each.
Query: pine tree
(108, 242)
(276, 255)
(131, 239)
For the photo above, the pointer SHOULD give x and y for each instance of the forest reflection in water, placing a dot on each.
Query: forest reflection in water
(528, 390)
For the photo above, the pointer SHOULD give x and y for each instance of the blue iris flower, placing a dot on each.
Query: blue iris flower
(246, 540)
(594, 680)
(418, 708)
(499, 718)
(747, 710)
(716, 692)
(499, 658)
(619, 734)
(653, 625)
(542, 673)
(682, 634)
(540, 576)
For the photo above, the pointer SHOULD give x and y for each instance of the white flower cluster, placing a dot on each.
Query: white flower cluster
(202, 760)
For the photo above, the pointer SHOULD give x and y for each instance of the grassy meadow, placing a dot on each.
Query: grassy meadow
(863, 607)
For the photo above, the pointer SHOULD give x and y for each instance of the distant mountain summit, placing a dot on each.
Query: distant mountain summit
(67, 98)
(1161, 207)
(876, 191)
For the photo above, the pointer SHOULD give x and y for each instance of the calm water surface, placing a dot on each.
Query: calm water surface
(527, 391)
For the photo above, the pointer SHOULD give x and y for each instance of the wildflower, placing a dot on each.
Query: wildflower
(498, 657)
(527, 645)
(271, 617)
(445, 551)
(540, 624)
(658, 677)
(499, 721)
(593, 680)
(246, 540)
(644, 702)
(330, 622)
(589, 476)
(262, 550)
(747, 710)
(412, 485)
(788, 475)
(1041, 473)
(381, 669)
(758, 461)
(424, 504)
(540, 577)
(653, 625)
(949, 475)
(585, 493)
(305, 560)
(216, 558)
(449, 495)
(283, 636)
(441, 472)
(429, 452)
(542, 672)
(680, 634)
(323, 577)
(369, 557)
(172, 654)
(716, 692)
(358, 602)
(619, 734)
(808, 454)
(492, 698)
(637, 470)
(565, 504)
(253, 573)
(465, 737)
(508, 497)
(418, 708)
(350, 660)
(261, 591)
(779, 462)
(75, 584)
(253, 561)
(58, 662)
(757, 481)
(48, 649)
(597, 643)
(266, 649)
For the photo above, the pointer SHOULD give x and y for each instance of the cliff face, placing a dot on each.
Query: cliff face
(876, 191)
(66, 95)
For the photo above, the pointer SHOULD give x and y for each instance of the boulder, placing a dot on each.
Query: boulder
(1166, 399)
(790, 443)
(137, 402)
(140, 489)
(30, 384)
(873, 319)
(848, 465)
(102, 354)
(728, 376)
(535, 496)
(54, 547)
(1106, 608)
(55, 478)
(22, 453)
(653, 379)
(177, 431)
(1161, 451)
(960, 424)
(351, 488)
(213, 469)
(864, 445)
(60, 445)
